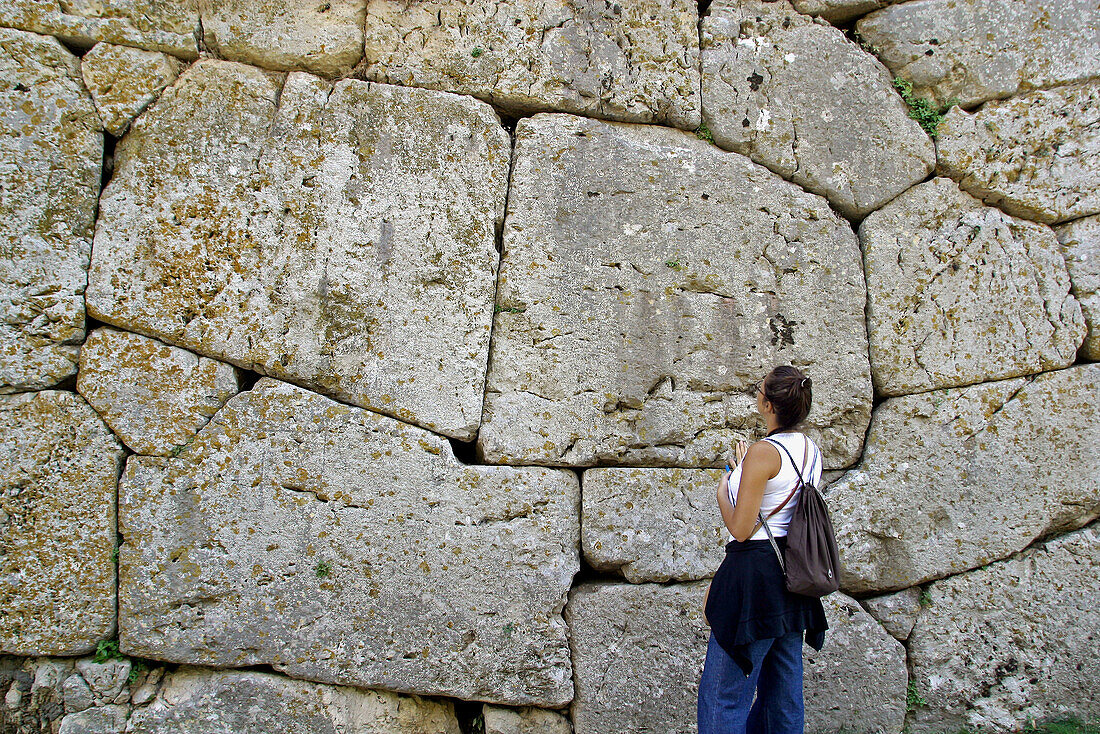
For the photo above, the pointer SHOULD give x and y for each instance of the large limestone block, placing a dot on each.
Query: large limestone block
(153, 396)
(1012, 643)
(648, 280)
(796, 96)
(322, 37)
(958, 293)
(969, 51)
(954, 479)
(341, 237)
(1081, 247)
(342, 546)
(636, 60)
(200, 701)
(51, 151)
(59, 468)
(155, 25)
(653, 524)
(123, 81)
(1036, 156)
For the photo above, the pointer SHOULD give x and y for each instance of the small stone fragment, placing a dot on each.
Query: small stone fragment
(896, 612)
(1081, 246)
(1036, 156)
(153, 396)
(124, 81)
(959, 293)
(78, 696)
(524, 721)
(108, 719)
(105, 679)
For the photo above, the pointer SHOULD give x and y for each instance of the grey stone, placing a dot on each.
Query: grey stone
(292, 35)
(1012, 643)
(524, 721)
(636, 61)
(339, 545)
(51, 151)
(124, 81)
(77, 693)
(653, 524)
(1081, 246)
(34, 702)
(839, 11)
(969, 51)
(1036, 156)
(958, 293)
(153, 396)
(109, 719)
(59, 468)
(896, 612)
(648, 280)
(796, 96)
(954, 479)
(105, 679)
(329, 235)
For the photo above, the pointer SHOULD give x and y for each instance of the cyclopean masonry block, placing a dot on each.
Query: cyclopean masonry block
(124, 81)
(942, 468)
(969, 51)
(153, 396)
(1036, 156)
(635, 61)
(648, 279)
(59, 468)
(329, 235)
(958, 293)
(342, 546)
(150, 24)
(1011, 643)
(896, 612)
(322, 37)
(797, 97)
(653, 524)
(51, 151)
(1081, 246)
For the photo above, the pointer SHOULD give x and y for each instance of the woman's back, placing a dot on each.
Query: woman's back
(779, 487)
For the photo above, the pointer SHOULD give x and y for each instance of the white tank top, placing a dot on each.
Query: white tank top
(779, 486)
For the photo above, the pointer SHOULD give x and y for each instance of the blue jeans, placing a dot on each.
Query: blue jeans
(726, 703)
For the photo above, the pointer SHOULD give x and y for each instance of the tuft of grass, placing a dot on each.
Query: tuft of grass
(913, 699)
(672, 264)
(509, 309)
(106, 650)
(703, 133)
(322, 569)
(476, 52)
(927, 115)
(925, 598)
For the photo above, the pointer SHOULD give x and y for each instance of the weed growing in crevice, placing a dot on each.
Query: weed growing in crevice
(927, 115)
(322, 569)
(703, 133)
(107, 650)
(913, 697)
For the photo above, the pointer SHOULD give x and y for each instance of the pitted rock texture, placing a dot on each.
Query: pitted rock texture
(524, 721)
(648, 279)
(942, 468)
(1012, 643)
(325, 38)
(958, 293)
(652, 524)
(150, 24)
(59, 468)
(153, 396)
(339, 545)
(124, 81)
(51, 151)
(634, 61)
(838, 11)
(968, 51)
(1081, 247)
(797, 97)
(328, 235)
(200, 701)
(1036, 156)
(896, 612)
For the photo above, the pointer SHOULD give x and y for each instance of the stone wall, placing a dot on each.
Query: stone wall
(368, 365)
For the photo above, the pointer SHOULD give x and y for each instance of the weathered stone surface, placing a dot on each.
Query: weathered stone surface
(153, 396)
(648, 279)
(1011, 643)
(1081, 247)
(124, 81)
(796, 96)
(652, 524)
(969, 51)
(106, 680)
(896, 612)
(524, 721)
(150, 24)
(958, 293)
(838, 11)
(200, 701)
(51, 150)
(636, 61)
(322, 37)
(339, 545)
(59, 466)
(951, 480)
(1036, 156)
(327, 235)
(110, 719)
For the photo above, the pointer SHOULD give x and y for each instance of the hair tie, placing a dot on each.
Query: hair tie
(804, 381)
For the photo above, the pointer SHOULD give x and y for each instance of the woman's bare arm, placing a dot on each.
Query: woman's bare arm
(761, 464)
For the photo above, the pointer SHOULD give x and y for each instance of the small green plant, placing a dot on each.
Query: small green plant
(179, 449)
(508, 629)
(322, 569)
(114, 554)
(476, 52)
(509, 309)
(703, 133)
(925, 598)
(137, 667)
(106, 650)
(927, 115)
(672, 264)
(913, 699)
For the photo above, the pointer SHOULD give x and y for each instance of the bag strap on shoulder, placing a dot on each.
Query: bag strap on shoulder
(764, 520)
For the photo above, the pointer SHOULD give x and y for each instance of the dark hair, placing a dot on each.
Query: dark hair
(790, 393)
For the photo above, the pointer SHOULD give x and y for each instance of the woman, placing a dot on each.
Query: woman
(756, 624)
